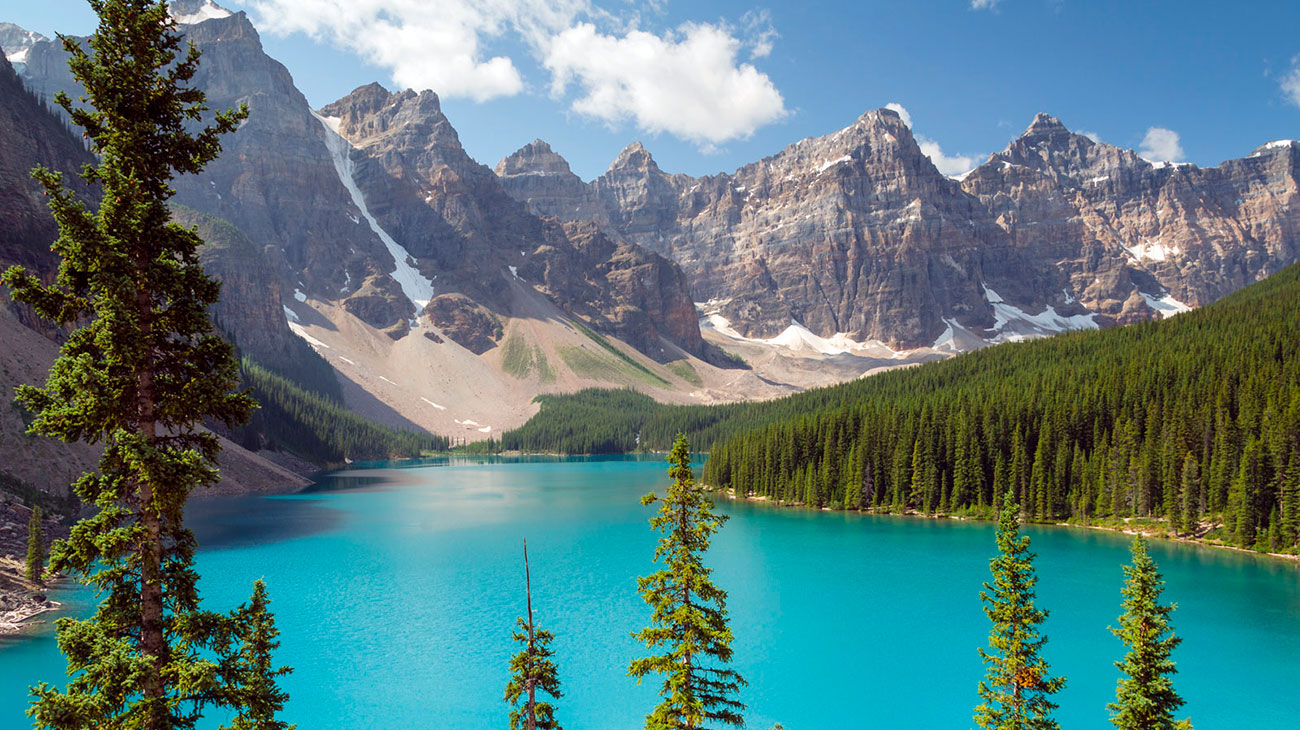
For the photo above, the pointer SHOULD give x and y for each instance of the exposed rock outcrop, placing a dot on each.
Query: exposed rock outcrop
(858, 233)
(466, 233)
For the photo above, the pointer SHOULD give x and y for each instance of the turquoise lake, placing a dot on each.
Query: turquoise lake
(397, 589)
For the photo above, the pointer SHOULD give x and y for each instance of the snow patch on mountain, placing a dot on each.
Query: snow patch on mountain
(1153, 250)
(796, 337)
(1166, 306)
(1013, 324)
(207, 11)
(415, 285)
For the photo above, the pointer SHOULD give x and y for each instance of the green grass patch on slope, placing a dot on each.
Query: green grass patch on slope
(623, 356)
(684, 370)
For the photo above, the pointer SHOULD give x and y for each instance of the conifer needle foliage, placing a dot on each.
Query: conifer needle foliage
(36, 548)
(1015, 690)
(139, 373)
(532, 670)
(1145, 698)
(689, 621)
(250, 672)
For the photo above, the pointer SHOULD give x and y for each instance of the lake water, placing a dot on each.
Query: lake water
(397, 589)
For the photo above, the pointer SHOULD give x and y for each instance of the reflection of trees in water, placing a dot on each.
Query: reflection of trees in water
(231, 522)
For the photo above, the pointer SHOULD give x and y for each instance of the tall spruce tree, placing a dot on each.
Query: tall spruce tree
(140, 373)
(532, 669)
(1145, 698)
(1014, 693)
(250, 672)
(36, 548)
(689, 619)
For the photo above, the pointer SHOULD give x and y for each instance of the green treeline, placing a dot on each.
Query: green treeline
(1195, 420)
(318, 428)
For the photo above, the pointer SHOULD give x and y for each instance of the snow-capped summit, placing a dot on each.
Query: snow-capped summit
(193, 12)
(17, 43)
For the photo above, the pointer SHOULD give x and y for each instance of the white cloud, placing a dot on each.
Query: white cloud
(1090, 135)
(953, 165)
(984, 4)
(424, 45)
(901, 111)
(687, 83)
(760, 36)
(950, 165)
(1291, 82)
(1161, 145)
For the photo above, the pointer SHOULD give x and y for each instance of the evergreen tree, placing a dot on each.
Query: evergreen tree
(140, 374)
(532, 669)
(36, 548)
(689, 620)
(1190, 512)
(1016, 686)
(1145, 698)
(251, 673)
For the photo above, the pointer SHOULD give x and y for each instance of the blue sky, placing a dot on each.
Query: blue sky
(710, 85)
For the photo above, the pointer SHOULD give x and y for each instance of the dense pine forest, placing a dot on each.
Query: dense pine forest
(1195, 420)
(310, 421)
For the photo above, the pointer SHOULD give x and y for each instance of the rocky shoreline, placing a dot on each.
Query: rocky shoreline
(20, 599)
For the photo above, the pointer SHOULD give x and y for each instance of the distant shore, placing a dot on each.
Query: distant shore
(1153, 531)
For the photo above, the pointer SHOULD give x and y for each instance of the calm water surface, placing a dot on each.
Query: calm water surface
(396, 590)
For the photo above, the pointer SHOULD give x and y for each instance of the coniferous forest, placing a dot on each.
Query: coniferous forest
(1194, 420)
(311, 425)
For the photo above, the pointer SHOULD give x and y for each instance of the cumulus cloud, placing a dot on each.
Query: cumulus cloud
(1090, 135)
(1291, 82)
(1161, 145)
(950, 165)
(424, 45)
(984, 4)
(689, 82)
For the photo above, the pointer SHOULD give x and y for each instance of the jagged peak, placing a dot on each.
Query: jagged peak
(634, 156)
(1274, 146)
(534, 158)
(16, 42)
(193, 12)
(361, 101)
(1045, 123)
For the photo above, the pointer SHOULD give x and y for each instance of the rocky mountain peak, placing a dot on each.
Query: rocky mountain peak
(634, 157)
(534, 158)
(193, 12)
(16, 43)
(371, 113)
(1044, 125)
(1276, 147)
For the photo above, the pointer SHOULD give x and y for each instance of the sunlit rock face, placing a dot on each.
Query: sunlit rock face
(858, 234)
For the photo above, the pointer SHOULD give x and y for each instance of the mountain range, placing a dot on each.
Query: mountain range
(446, 295)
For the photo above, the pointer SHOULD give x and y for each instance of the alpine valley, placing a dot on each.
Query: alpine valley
(371, 265)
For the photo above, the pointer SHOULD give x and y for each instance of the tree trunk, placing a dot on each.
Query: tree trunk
(532, 680)
(152, 641)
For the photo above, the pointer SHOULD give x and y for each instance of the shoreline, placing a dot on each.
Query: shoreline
(17, 621)
(1152, 534)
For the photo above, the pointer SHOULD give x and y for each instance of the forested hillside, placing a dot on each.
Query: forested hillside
(1195, 419)
(313, 424)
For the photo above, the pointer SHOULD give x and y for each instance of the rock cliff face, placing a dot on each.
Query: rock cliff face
(470, 239)
(30, 135)
(857, 232)
(1120, 226)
